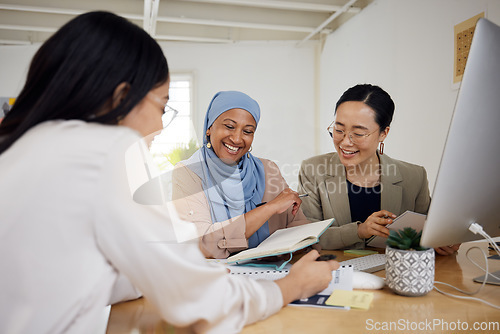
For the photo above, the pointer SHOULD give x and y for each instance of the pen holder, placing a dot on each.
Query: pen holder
(410, 272)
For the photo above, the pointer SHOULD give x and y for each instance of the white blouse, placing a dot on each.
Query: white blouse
(69, 228)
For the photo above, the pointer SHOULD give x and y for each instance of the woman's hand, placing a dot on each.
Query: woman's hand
(447, 250)
(307, 277)
(375, 224)
(284, 200)
(257, 217)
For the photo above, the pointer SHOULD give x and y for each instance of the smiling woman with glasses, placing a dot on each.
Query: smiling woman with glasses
(359, 185)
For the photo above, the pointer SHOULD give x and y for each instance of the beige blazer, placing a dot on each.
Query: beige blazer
(219, 239)
(404, 187)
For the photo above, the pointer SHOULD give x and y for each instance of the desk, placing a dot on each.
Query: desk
(387, 309)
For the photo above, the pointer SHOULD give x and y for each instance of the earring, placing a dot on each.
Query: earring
(207, 137)
(381, 150)
(248, 153)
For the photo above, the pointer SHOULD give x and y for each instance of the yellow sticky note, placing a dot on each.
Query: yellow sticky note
(354, 299)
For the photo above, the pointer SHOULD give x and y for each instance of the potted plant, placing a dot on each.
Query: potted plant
(409, 267)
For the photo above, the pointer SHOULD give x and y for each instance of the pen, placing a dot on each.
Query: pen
(370, 239)
(301, 195)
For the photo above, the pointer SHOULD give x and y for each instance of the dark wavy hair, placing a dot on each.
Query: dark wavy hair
(74, 74)
(374, 97)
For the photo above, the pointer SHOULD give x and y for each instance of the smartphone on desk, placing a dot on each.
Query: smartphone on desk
(326, 257)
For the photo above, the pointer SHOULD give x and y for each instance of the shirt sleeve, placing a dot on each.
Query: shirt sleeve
(140, 242)
(218, 239)
(423, 199)
(275, 184)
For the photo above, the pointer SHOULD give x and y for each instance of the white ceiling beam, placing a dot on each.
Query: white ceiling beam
(26, 28)
(148, 7)
(276, 4)
(51, 10)
(192, 39)
(150, 15)
(157, 37)
(36, 9)
(235, 24)
(154, 16)
(146, 21)
(327, 21)
(13, 42)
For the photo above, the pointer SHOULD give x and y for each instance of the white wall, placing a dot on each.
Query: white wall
(14, 63)
(279, 76)
(406, 47)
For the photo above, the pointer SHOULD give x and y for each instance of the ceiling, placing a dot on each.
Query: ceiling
(205, 21)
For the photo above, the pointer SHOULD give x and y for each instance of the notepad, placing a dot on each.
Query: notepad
(354, 299)
(407, 219)
(264, 273)
(284, 241)
(341, 280)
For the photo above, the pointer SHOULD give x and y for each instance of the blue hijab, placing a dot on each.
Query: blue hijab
(231, 190)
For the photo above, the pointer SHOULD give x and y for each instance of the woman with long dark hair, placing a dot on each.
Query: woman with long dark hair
(70, 229)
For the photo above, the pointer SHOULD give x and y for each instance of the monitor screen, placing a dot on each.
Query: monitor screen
(467, 187)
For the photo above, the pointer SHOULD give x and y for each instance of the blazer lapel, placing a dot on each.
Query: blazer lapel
(337, 191)
(391, 190)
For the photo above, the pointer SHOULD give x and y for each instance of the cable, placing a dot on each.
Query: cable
(475, 228)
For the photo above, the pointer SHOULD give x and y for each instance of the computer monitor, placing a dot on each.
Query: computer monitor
(467, 188)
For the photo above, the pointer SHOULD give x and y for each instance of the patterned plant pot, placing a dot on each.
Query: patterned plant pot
(410, 273)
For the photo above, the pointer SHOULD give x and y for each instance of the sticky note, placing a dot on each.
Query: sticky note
(360, 252)
(354, 299)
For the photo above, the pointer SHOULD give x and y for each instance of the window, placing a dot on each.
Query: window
(177, 141)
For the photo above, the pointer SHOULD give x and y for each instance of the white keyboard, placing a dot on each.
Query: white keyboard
(369, 263)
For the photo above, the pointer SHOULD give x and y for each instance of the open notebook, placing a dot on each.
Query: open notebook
(284, 241)
(341, 280)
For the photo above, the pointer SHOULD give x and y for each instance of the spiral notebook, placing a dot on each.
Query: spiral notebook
(265, 273)
(341, 280)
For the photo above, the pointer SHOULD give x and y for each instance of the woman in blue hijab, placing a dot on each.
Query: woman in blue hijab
(236, 199)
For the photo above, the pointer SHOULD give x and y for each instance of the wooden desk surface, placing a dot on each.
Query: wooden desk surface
(433, 313)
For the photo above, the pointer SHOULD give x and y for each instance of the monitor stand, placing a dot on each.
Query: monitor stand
(490, 280)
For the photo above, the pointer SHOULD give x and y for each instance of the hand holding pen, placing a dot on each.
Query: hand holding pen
(375, 225)
(283, 201)
(300, 196)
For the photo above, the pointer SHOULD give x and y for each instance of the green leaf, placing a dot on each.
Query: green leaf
(407, 238)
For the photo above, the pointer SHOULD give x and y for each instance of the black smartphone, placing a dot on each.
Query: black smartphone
(326, 257)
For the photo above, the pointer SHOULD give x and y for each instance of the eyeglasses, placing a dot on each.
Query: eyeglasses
(169, 113)
(356, 136)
